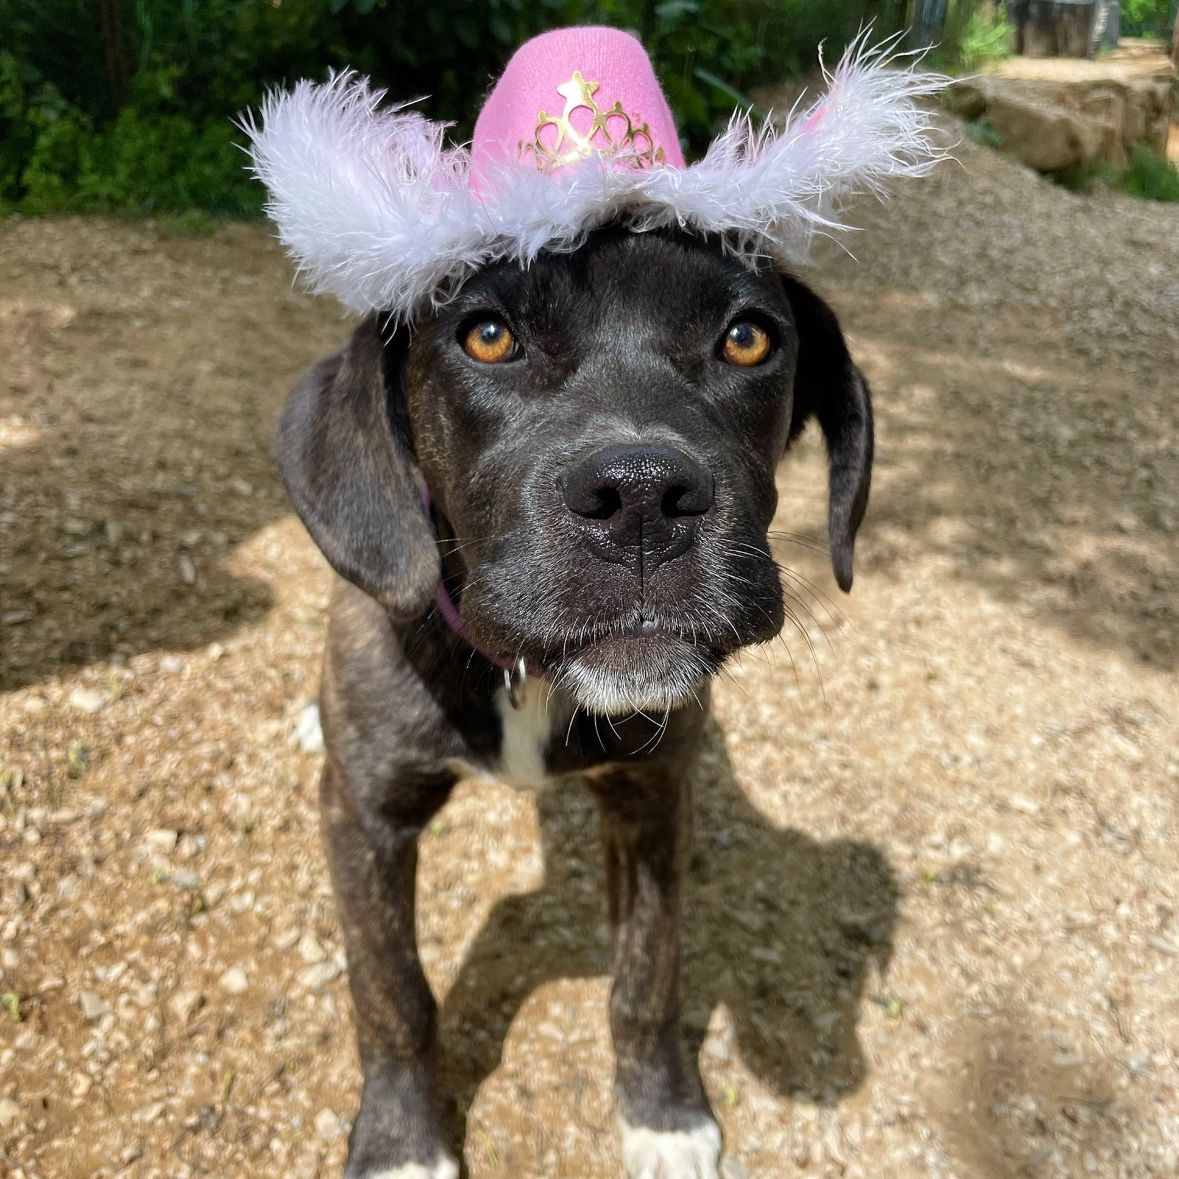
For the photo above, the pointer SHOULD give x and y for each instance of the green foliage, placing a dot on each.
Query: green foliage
(1151, 176)
(127, 105)
(984, 39)
(1148, 176)
(1147, 18)
(974, 34)
(984, 132)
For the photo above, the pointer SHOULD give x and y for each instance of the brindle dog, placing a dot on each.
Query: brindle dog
(584, 452)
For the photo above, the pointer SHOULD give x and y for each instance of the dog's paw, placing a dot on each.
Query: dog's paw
(441, 1168)
(691, 1153)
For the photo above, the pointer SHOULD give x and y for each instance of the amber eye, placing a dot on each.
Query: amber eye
(489, 342)
(745, 344)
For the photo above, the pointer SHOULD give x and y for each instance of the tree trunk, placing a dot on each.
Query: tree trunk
(114, 60)
(1046, 29)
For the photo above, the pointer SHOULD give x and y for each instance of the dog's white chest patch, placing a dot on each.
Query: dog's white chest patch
(526, 732)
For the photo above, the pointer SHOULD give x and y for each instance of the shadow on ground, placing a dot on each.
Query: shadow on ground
(120, 558)
(124, 487)
(784, 931)
(1037, 1102)
(1048, 483)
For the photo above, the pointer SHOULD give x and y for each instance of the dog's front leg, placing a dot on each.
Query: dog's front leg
(668, 1131)
(373, 866)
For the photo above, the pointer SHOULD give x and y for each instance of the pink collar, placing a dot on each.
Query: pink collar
(517, 670)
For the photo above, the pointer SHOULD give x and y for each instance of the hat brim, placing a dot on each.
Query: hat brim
(378, 211)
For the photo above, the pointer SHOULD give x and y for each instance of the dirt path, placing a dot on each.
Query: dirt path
(932, 922)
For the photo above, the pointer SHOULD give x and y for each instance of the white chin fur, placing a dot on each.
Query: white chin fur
(621, 693)
(678, 1154)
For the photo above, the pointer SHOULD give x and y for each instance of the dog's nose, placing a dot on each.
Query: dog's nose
(639, 492)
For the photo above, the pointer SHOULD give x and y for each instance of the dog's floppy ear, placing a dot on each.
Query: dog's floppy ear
(351, 476)
(829, 387)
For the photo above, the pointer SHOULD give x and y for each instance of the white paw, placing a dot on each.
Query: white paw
(441, 1168)
(672, 1154)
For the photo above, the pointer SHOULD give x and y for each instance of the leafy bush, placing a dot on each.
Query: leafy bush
(1148, 176)
(985, 38)
(984, 132)
(1147, 18)
(1151, 176)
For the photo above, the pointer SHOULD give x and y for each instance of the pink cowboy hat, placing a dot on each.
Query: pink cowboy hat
(379, 212)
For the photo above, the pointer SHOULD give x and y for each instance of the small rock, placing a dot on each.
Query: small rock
(732, 1169)
(234, 980)
(185, 1002)
(1138, 1062)
(286, 939)
(149, 1113)
(93, 1006)
(749, 920)
(9, 1112)
(310, 950)
(308, 732)
(162, 839)
(327, 1124)
(187, 569)
(185, 878)
(319, 975)
(825, 1021)
(89, 700)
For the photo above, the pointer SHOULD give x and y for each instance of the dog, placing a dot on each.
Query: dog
(547, 503)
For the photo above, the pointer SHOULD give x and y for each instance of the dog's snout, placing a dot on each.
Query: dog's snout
(634, 490)
(657, 482)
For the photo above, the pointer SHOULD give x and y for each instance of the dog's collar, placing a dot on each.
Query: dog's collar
(516, 671)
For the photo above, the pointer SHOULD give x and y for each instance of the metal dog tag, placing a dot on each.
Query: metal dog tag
(515, 680)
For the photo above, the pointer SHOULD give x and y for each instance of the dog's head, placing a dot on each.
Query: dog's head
(599, 434)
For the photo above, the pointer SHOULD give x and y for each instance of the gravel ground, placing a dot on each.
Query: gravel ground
(931, 921)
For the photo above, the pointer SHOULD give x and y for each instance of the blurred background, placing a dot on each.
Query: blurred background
(932, 923)
(126, 105)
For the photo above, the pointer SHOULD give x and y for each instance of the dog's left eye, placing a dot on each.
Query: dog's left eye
(745, 344)
(489, 342)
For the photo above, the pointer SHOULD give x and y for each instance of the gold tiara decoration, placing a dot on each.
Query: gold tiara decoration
(633, 147)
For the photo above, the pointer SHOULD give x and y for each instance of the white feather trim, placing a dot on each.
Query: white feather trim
(378, 212)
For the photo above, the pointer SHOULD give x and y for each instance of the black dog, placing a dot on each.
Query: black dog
(584, 451)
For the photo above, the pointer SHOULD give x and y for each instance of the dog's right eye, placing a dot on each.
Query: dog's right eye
(489, 342)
